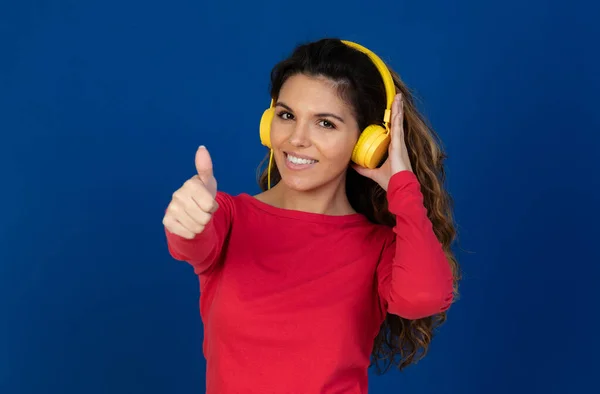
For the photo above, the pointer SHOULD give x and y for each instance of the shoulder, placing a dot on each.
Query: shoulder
(374, 236)
(229, 201)
(224, 197)
(234, 204)
(385, 233)
(240, 198)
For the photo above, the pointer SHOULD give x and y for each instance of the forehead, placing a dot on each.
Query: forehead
(313, 94)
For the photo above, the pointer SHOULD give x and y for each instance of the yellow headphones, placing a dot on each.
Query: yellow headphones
(374, 140)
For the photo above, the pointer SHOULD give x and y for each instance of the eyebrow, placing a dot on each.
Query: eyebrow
(323, 114)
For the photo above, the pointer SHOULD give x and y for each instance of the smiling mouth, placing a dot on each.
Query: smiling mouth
(291, 158)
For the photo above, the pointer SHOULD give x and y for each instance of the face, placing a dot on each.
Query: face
(313, 133)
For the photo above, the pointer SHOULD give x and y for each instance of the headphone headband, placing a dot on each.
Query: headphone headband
(386, 76)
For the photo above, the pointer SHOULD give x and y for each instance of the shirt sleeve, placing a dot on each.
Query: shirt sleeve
(414, 276)
(204, 250)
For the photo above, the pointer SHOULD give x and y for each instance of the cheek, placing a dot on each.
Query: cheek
(275, 134)
(280, 134)
(338, 149)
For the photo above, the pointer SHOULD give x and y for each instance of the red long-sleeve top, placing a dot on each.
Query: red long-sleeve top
(291, 301)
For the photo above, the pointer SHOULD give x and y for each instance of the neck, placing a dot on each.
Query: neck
(329, 199)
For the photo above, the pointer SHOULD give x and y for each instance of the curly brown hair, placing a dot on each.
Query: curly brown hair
(400, 341)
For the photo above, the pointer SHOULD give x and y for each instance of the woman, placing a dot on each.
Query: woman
(341, 260)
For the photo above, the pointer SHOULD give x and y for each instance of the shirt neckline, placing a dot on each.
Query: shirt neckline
(301, 215)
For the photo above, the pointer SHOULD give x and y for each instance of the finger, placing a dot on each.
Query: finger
(178, 212)
(397, 120)
(203, 197)
(366, 172)
(174, 227)
(204, 165)
(195, 212)
(203, 218)
(215, 206)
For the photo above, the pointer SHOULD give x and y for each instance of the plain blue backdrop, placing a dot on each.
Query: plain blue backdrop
(103, 104)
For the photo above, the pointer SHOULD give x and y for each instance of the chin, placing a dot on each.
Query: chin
(309, 181)
(301, 184)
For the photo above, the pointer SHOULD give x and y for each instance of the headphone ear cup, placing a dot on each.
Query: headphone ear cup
(265, 127)
(371, 147)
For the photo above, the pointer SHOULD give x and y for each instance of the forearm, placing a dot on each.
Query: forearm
(201, 251)
(420, 281)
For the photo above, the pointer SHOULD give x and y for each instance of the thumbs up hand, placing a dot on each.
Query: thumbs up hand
(193, 205)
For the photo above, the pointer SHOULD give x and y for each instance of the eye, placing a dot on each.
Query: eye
(285, 115)
(327, 124)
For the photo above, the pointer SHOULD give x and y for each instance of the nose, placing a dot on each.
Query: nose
(300, 134)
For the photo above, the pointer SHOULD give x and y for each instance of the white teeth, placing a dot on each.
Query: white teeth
(297, 160)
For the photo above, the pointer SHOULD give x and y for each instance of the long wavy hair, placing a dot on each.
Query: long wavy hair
(400, 341)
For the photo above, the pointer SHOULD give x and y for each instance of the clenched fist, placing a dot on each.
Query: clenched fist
(194, 203)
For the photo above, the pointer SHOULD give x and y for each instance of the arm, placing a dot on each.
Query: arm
(204, 250)
(414, 277)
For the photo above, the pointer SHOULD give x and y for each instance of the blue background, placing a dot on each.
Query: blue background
(103, 104)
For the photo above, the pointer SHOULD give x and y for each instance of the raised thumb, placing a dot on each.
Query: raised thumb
(204, 164)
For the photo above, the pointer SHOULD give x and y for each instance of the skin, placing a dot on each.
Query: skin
(302, 126)
(311, 121)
